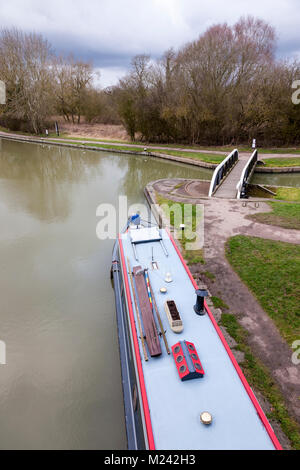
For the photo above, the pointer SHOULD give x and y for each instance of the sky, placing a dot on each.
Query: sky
(111, 32)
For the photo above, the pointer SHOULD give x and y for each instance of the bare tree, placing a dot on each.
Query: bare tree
(222, 88)
(73, 79)
(26, 68)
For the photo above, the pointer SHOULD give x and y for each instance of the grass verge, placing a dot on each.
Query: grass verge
(203, 157)
(209, 158)
(190, 219)
(209, 276)
(286, 215)
(271, 270)
(282, 162)
(114, 147)
(219, 303)
(288, 194)
(199, 156)
(220, 148)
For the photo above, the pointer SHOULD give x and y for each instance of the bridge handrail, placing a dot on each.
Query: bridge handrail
(246, 173)
(222, 170)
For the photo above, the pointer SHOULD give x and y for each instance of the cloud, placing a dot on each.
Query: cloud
(111, 32)
(108, 76)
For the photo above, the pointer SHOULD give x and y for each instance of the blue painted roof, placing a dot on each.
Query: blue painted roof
(175, 406)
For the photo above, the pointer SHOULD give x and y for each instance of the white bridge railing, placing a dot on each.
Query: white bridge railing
(222, 170)
(246, 175)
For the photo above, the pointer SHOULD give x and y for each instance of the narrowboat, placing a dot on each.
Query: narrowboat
(182, 386)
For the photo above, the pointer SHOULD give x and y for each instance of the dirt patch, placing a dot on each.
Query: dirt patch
(180, 189)
(276, 220)
(195, 188)
(94, 131)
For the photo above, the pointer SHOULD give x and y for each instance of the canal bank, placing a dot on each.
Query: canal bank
(118, 150)
(171, 154)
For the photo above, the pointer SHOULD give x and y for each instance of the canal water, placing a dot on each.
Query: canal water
(61, 386)
(277, 179)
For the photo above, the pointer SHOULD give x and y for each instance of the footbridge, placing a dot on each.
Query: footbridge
(230, 178)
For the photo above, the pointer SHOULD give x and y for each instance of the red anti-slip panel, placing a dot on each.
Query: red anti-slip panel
(187, 369)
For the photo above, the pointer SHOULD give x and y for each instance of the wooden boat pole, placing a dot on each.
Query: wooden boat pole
(152, 336)
(159, 318)
(137, 313)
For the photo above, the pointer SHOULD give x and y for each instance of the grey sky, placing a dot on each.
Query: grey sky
(111, 32)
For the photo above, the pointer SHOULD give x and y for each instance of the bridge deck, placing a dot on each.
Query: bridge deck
(227, 188)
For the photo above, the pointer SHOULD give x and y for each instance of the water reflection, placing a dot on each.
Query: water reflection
(42, 179)
(277, 179)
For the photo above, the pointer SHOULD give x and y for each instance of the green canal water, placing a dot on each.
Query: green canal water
(277, 179)
(61, 386)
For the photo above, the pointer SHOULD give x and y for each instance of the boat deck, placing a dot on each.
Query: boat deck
(175, 406)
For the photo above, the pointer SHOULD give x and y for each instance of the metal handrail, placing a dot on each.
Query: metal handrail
(246, 174)
(222, 170)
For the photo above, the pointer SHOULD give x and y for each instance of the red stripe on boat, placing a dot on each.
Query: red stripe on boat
(137, 354)
(248, 389)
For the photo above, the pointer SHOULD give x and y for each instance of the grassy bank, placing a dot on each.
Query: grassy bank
(282, 193)
(199, 156)
(286, 215)
(271, 270)
(213, 148)
(184, 147)
(260, 378)
(189, 219)
(282, 162)
(113, 147)
(288, 194)
(216, 148)
(283, 150)
(203, 157)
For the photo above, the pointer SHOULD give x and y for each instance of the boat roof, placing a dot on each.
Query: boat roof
(175, 406)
